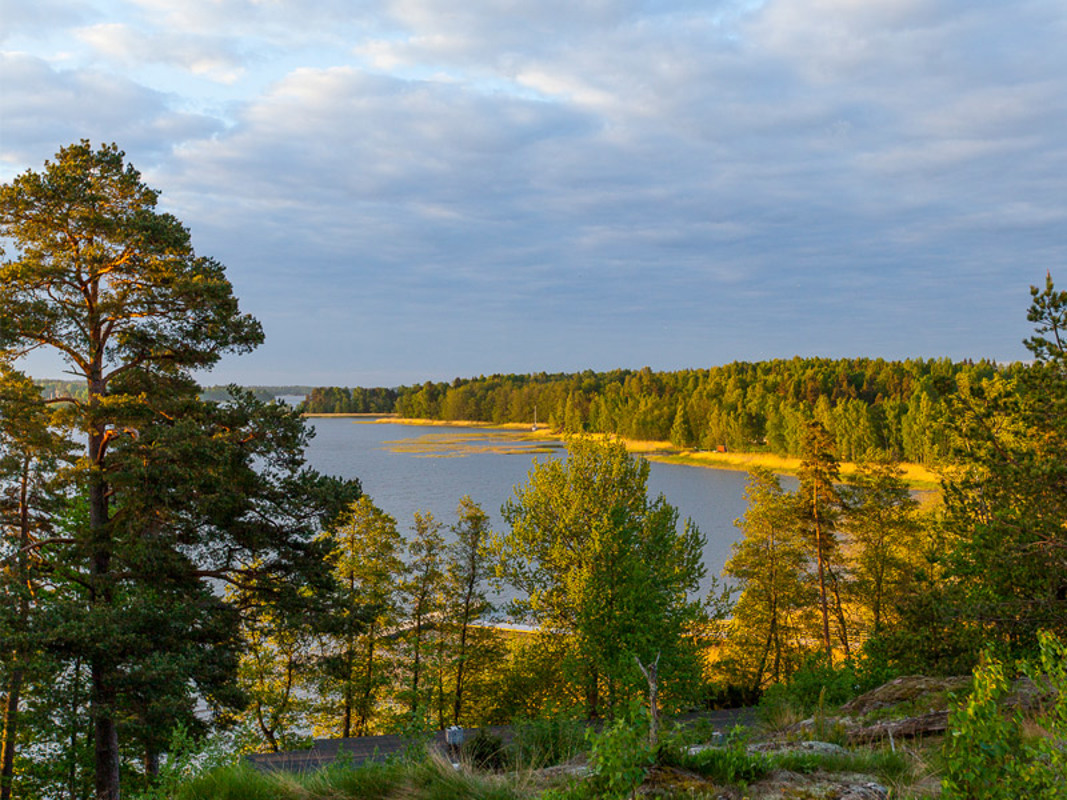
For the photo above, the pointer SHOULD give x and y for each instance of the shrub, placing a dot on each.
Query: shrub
(621, 756)
(987, 756)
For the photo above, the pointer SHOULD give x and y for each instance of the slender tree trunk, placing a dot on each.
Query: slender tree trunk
(821, 556)
(441, 682)
(75, 700)
(346, 714)
(879, 582)
(416, 665)
(266, 730)
(839, 612)
(368, 688)
(464, 627)
(651, 673)
(758, 677)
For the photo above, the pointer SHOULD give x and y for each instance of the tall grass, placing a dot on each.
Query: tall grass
(433, 778)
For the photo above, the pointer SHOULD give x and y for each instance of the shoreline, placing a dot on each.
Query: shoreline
(915, 476)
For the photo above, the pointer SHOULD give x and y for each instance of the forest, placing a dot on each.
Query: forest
(895, 407)
(171, 571)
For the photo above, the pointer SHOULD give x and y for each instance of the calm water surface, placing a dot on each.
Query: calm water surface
(402, 482)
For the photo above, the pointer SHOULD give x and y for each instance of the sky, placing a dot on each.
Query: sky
(413, 190)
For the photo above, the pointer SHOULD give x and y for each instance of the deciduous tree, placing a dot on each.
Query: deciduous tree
(598, 562)
(366, 563)
(468, 568)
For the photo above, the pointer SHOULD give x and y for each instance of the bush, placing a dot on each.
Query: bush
(818, 684)
(621, 756)
(987, 755)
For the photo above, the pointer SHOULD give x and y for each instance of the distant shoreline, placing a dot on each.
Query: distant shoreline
(915, 475)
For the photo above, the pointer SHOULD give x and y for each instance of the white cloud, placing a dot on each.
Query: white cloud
(402, 159)
(44, 109)
(207, 56)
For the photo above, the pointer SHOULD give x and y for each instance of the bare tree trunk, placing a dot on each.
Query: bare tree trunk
(416, 666)
(72, 775)
(104, 696)
(839, 611)
(651, 673)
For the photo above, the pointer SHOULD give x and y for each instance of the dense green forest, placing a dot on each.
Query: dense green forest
(171, 569)
(891, 406)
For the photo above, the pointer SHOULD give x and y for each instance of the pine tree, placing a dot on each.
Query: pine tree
(771, 620)
(1007, 499)
(180, 493)
(820, 504)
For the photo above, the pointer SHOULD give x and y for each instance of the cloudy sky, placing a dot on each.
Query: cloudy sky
(421, 189)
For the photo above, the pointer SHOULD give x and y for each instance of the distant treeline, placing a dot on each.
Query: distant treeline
(338, 400)
(264, 394)
(865, 403)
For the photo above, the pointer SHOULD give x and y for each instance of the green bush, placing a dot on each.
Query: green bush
(987, 756)
(621, 756)
(819, 684)
(817, 681)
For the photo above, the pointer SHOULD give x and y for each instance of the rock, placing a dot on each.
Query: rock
(821, 748)
(1025, 695)
(907, 728)
(903, 690)
(784, 785)
(865, 791)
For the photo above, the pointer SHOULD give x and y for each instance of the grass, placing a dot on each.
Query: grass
(915, 475)
(909, 772)
(458, 445)
(438, 445)
(434, 778)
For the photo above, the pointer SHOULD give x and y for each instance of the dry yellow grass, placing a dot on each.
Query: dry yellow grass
(915, 475)
(367, 417)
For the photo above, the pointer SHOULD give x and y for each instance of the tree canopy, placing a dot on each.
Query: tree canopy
(180, 494)
(596, 560)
